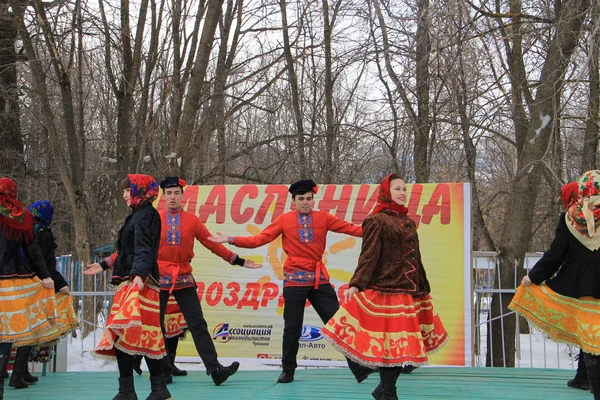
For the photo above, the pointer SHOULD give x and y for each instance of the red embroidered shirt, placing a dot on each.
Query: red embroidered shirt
(303, 240)
(179, 229)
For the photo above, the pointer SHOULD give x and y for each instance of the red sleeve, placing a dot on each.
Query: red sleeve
(335, 224)
(109, 262)
(202, 234)
(267, 235)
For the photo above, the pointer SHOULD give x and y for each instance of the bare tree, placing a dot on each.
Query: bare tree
(532, 134)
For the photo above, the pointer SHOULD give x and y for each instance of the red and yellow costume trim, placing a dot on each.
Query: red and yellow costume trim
(564, 319)
(133, 325)
(67, 318)
(175, 324)
(386, 330)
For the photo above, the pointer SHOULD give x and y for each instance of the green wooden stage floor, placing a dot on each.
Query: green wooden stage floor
(324, 383)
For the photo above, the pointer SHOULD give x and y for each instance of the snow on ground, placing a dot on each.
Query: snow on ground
(79, 357)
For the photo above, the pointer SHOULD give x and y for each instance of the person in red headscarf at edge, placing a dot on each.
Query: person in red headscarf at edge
(304, 233)
(134, 326)
(561, 293)
(388, 321)
(569, 197)
(27, 306)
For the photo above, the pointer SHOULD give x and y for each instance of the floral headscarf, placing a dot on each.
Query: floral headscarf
(583, 215)
(568, 193)
(384, 199)
(15, 220)
(42, 215)
(143, 189)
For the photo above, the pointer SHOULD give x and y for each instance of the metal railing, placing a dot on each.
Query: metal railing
(534, 349)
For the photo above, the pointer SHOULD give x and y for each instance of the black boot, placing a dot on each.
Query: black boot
(378, 392)
(286, 376)
(167, 369)
(27, 377)
(592, 363)
(21, 359)
(360, 372)
(3, 368)
(176, 371)
(388, 383)
(172, 344)
(221, 374)
(137, 364)
(581, 377)
(407, 369)
(126, 389)
(159, 388)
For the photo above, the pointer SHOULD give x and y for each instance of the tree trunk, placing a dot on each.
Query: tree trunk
(423, 43)
(590, 142)
(192, 103)
(330, 124)
(12, 161)
(293, 80)
(518, 218)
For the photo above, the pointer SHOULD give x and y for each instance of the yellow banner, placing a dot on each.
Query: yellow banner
(244, 307)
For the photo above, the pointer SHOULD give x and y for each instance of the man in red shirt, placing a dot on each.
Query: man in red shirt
(304, 233)
(179, 230)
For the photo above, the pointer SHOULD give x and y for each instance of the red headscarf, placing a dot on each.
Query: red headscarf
(583, 215)
(143, 189)
(384, 199)
(569, 193)
(15, 220)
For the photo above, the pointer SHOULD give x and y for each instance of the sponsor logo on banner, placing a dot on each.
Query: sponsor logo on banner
(221, 333)
(310, 333)
(265, 356)
(259, 335)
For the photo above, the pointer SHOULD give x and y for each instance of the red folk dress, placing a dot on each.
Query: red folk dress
(391, 321)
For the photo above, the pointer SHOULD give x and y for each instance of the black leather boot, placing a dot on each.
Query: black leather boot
(167, 369)
(221, 374)
(581, 377)
(17, 379)
(159, 388)
(176, 371)
(3, 368)
(126, 389)
(378, 392)
(388, 383)
(27, 377)
(360, 372)
(407, 369)
(592, 363)
(286, 376)
(172, 344)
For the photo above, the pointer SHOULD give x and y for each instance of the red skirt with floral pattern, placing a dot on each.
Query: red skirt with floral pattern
(133, 325)
(386, 330)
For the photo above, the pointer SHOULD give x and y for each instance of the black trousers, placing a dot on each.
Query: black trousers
(188, 302)
(324, 301)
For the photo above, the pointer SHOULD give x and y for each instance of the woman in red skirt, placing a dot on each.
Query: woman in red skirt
(27, 307)
(133, 326)
(388, 321)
